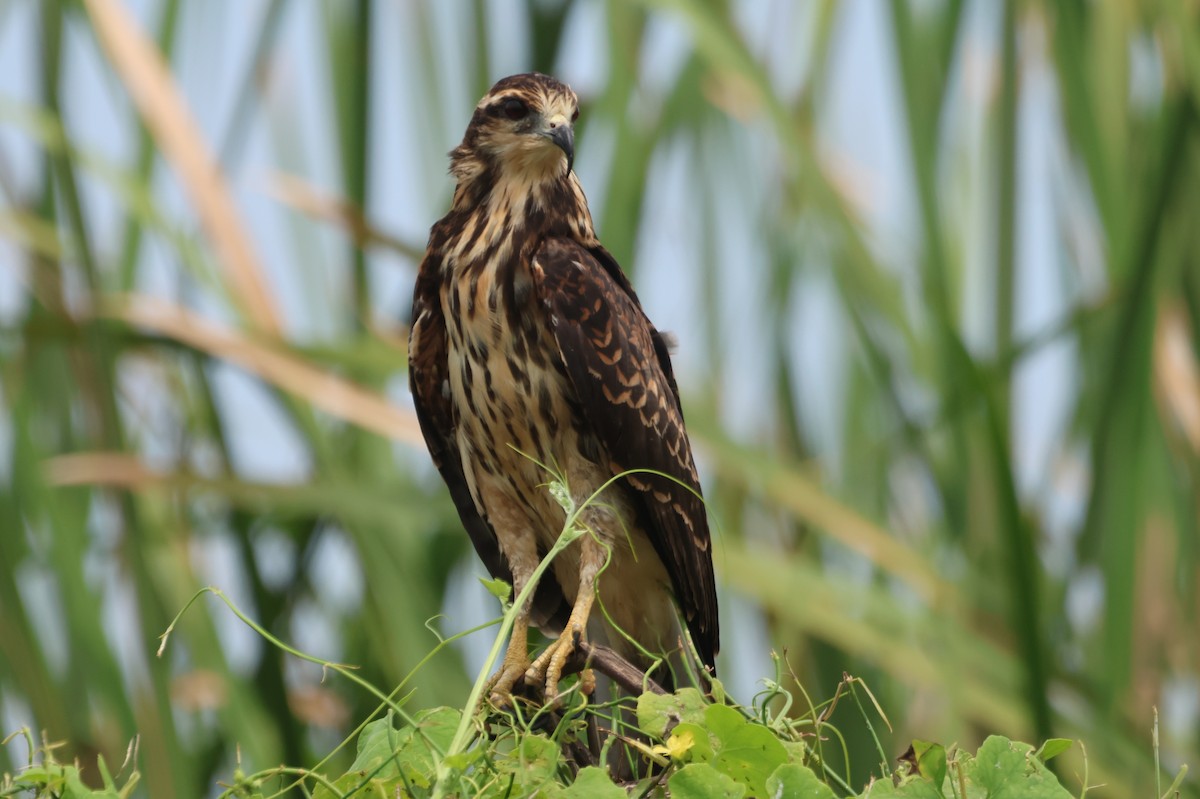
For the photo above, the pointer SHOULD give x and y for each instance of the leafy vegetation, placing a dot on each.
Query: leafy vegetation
(688, 745)
(699, 749)
(932, 266)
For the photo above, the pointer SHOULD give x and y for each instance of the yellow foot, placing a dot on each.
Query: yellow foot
(547, 670)
(500, 686)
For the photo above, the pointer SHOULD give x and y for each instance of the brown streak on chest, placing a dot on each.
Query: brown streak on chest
(510, 394)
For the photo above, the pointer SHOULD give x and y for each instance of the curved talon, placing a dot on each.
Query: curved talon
(566, 645)
(547, 670)
(500, 685)
(536, 673)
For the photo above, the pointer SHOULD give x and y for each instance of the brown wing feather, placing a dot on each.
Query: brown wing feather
(621, 372)
(427, 375)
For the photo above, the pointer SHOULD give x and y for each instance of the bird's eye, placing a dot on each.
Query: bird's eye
(514, 109)
(575, 115)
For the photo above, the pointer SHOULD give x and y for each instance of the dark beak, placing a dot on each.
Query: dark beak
(564, 137)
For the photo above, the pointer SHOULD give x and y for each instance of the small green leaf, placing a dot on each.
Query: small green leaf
(794, 781)
(1053, 747)
(105, 776)
(702, 781)
(931, 762)
(593, 783)
(498, 588)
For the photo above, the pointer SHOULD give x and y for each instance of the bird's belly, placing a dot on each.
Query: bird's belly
(519, 430)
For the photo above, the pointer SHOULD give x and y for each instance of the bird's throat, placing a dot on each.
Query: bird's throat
(504, 211)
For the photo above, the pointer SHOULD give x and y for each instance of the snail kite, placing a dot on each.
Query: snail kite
(531, 354)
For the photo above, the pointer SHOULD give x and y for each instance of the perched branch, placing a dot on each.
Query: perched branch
(612, 665)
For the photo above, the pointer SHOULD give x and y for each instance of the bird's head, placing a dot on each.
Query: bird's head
(524, 127)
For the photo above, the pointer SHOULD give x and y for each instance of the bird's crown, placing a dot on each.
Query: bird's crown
(523, 126)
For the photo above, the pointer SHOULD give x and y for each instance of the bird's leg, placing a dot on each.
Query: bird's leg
(548, 667)
(516, 657)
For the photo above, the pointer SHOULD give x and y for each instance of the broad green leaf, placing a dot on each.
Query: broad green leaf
(385, 753)
(657, 712)
(418, 753)
(593, 783)
(375, 744)
(912, 787)
(702, 781)
(374, 764)
(793, 781)
(1008, 769)
(746, 751)
(723, 721)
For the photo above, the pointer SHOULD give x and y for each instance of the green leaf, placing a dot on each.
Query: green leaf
(593, 783)
(1053, 747)
(723, 721)
(63, 782)
(385, 754)
(797, 782)
(1008, 769)
(693, 742)
(931, 762)
(533, 762)
(498, 588)
(797, 751)
(911, 787)
(105, 776)
(418, 753)
(745, 751)
(349, 784)
(375, 749)
(461, 761)
(657, 712)
(702, 781)
(374, 762)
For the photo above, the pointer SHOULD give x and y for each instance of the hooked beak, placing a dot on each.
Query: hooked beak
(563, 136)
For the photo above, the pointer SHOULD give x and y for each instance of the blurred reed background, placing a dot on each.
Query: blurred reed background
(933, 267)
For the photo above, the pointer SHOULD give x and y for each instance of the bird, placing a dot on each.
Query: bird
(530, 351)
